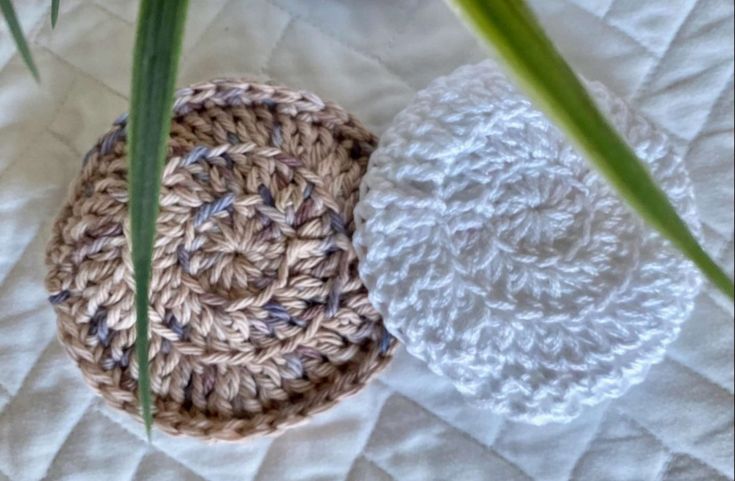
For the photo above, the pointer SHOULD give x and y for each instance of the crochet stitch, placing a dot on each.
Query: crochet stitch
(258, 317)
(499, 258)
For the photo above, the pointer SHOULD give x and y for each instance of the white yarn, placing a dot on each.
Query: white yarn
(501, 259)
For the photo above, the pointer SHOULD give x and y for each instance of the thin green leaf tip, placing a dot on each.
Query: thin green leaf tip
(511, 28)
(54, 12)
(158, 41)
(11, 18)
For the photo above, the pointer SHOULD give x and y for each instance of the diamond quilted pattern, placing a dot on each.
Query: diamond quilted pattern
(40, 417)
(257, 25)
(432, 19)
(94, 41)
(364, 469)
(651, 23)
(158, 466)
(412, 444)
(84, 452)
(689, 66)
(341, 432)
(710, 163)
(4, 398)
(702, 425)
(88, 105)
(408, 376)
(596, 50)
(375, 102)
(562, 445)
(708, 326)
(637, 454)
(685, 468)
(370, 57)
(367, 26)
(226, 462)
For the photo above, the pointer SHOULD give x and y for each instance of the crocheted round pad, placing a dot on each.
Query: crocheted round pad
(258, 317)
(499, 257)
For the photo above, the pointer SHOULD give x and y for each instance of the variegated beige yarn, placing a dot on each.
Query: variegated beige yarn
(258, 317)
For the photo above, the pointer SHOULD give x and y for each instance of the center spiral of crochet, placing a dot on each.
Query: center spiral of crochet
(531, 225)
(258, 317)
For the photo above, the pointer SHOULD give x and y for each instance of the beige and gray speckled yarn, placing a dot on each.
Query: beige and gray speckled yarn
(258, 317)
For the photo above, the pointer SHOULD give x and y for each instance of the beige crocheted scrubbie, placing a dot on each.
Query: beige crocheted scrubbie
(258, 317)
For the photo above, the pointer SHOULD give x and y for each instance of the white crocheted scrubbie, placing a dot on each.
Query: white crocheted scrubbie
(499, 257)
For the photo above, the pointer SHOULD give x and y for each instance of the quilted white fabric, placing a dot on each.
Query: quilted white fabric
(672, 59)
(499, 257)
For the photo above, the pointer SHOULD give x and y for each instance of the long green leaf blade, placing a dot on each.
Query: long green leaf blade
(54, 12)
(9, 13)
(510, 27)
(155, 62)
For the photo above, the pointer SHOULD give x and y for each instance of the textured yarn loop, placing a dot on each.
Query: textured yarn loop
(500, 258)
(258, 316)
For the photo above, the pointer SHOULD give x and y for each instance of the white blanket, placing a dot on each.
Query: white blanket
(673, 58)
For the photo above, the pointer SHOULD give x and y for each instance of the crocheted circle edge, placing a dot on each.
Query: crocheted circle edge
(432, 128)
(305, 106)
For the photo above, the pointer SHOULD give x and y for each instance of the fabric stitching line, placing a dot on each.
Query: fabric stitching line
(596, 434)
(266, 66)
(411, 15)
(649, 76)
(601, 16)
(504, 425)
(372, 429)
(347, 45)
(497, 435)
(699, 374)
(38, 308)
(102, 7)
(40, 226)
(708, 118)
(205, 29)
(698, 136)
(722, 301)
(45, 127)
(665, 467)
(150, 451)
(64, 141)
(688, 457)
(101, 410)
(81, 72)
(30, 371)
(502, 428)
(726, 246)
(616, 29)
(468, 437)
(375, 464)
(39, 195)
(261, 465)
(711, 236)
(664, 444)
(710, 112)
(143, 454)
(66, 438)
(608, 10)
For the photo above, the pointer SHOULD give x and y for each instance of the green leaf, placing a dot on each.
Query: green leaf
(54, 12)
(9, 13)
(155, 60)
(512, 29)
